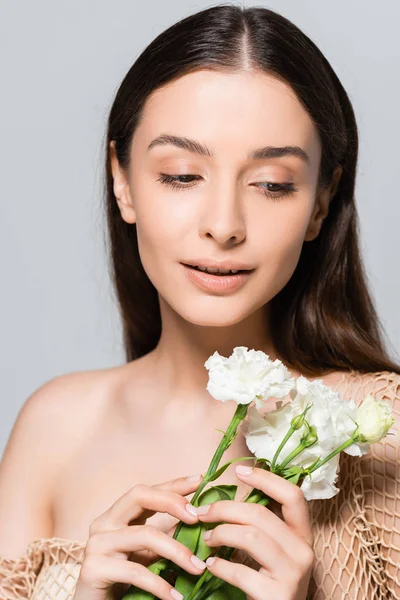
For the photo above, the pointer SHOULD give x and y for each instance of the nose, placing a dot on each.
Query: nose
(223, 218)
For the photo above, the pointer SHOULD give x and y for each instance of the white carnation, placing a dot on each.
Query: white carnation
(334, 420)
(247, 375)
(334, 417)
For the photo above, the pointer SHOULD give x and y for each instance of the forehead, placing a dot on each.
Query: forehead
(236, 109)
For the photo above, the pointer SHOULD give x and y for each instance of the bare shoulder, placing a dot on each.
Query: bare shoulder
(50, 425)
(60, 408)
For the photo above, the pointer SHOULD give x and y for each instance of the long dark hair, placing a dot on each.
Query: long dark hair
(324, 318)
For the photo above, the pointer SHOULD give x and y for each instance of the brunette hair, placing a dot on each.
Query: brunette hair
(324, 318)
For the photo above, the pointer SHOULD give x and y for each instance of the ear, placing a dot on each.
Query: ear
(321, 207)
(121, 188)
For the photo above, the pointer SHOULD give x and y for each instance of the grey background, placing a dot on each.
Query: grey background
(61, 64)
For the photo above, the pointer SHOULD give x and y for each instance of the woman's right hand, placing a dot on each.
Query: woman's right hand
(120, 543)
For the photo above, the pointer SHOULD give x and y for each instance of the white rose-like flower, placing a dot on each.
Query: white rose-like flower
(247, 375)
(374, 418)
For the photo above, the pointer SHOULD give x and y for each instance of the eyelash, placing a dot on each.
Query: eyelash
(287, 188)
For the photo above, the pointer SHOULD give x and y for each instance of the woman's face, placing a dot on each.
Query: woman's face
(228, 208)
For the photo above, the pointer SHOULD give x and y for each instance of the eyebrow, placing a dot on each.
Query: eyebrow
(257, 154)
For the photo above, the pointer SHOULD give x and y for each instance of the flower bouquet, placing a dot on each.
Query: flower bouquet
(300, 441)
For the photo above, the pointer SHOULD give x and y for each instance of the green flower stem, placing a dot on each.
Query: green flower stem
(296, 423)
(345, 445)
(229, 436)
(206, 580)
(281, 445)
(292, 455)
(226, 441)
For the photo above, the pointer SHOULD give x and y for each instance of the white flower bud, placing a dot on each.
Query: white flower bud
(374, 418)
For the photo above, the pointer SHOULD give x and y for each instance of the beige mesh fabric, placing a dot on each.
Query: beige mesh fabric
(48, 570)
(356, 533)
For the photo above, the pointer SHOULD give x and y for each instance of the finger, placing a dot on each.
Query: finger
(137, 537)
(144, 557)
(142, 501)
(254, 584)
(104, 571)
(181, 485)
(295, 509)
(233, 511)
(264, 549)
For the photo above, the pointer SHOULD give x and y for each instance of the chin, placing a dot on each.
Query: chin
(221, 314)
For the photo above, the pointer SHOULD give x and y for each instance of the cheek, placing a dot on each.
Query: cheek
(281, 238)
(159, 230)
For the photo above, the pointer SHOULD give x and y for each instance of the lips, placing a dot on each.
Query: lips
(217, 283)
(224, 265)
(228, 271)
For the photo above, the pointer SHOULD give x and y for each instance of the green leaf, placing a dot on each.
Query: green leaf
(189, 535)
(233, 593)
(222, 469)
(218, 595)
(138, 595)
(216, 493)
(185, 582)
(218, 589)
(294, 478)
(203, 551)
(134, 593)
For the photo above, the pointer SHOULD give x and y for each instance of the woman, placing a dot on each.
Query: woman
(231, 145)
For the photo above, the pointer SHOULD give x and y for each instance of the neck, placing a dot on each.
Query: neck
(184, 347)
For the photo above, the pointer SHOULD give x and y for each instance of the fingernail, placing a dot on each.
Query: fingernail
(191, 509)
(202, 510)
(242, 470)
(175, 594)
(207, 535)
(194, 477)
(197, 562)
(210, 561)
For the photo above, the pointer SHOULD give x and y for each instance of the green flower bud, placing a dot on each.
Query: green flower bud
(310, 438)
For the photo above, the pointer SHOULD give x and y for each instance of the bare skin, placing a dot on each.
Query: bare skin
(97, 473)
(114, 503)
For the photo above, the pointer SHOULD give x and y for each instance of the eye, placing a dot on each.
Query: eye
(284, 189)
(173, 180)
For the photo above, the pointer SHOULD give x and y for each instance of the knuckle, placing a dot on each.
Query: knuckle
(251, 535)
(138, 490)
(137, 572)
(260, 512)
(307, 557)
(149, 532)
(95, 542)
(296, 495)
(95, 526)
(236, 577)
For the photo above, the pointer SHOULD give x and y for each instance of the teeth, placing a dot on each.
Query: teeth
(213, 270)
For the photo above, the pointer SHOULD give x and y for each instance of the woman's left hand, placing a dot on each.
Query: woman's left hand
(282, 547)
